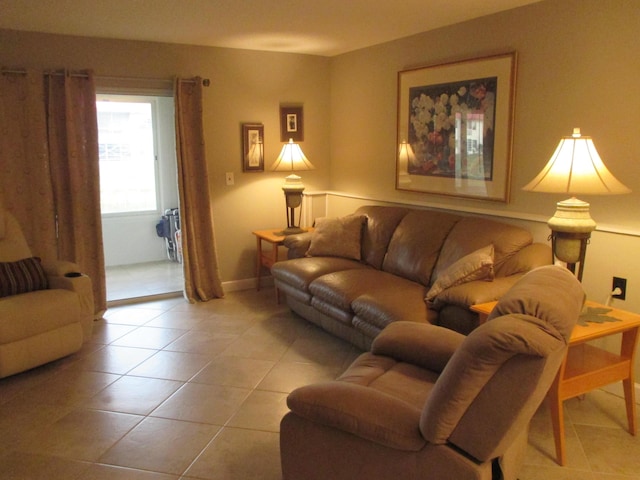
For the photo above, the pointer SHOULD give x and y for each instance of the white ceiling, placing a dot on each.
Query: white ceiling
(317, 27)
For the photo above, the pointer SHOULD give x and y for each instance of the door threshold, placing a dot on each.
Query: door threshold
(143, 299)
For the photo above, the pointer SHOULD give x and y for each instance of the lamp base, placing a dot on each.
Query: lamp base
(290, 231)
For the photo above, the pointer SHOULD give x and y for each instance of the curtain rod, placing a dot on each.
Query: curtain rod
(205, 81)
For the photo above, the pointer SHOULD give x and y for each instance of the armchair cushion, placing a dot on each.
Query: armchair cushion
(22, 276)
(337, 237)
(361, 411)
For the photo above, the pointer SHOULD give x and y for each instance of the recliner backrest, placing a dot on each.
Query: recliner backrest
(491, 387)
(13, 245)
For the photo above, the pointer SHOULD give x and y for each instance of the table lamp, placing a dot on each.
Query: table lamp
(292, 159)
(574, 168)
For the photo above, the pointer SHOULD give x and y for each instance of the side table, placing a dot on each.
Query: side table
(586, 367)
(266, 258)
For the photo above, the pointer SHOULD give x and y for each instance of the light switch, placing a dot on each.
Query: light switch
(229, 178)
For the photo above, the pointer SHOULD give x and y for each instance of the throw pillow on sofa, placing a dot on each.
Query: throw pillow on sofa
(337, 237)
(477, 265)
(22, 276)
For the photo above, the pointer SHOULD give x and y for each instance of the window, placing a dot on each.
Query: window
(126, 138)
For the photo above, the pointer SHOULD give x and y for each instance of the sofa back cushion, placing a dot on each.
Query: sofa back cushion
(473, 233)
(381, 223)
(416, 243)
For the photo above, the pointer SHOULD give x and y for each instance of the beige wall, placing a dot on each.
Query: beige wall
(245, 87)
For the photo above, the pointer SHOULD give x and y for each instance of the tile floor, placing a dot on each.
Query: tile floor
(143, 279)
(166, 390)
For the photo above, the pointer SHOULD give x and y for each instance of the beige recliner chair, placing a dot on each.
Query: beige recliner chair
(429, 403)
(52, 313)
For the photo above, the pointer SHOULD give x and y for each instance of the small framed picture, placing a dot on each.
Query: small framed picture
(252, 147)
(291, 123)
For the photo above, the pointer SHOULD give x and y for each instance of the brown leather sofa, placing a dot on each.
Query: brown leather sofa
(428, 403)
(354, 286)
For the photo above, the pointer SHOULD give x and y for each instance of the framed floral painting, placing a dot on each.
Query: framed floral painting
(455, 123)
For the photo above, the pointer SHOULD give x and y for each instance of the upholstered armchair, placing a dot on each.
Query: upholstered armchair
(430, 403)
(46, 309)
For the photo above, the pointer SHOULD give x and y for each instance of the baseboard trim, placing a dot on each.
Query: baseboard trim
(247, 284)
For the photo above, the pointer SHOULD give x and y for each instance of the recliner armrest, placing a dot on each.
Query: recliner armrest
(428, 346)
(361, 411)
(59, 267)
(80, 284)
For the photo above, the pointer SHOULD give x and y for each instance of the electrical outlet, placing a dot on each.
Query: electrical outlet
(229, 178)
(620, 283)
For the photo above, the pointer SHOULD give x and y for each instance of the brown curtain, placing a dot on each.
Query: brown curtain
(25, 183)
(73, 155)
(201, 275)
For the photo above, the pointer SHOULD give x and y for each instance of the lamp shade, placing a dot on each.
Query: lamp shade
(576, 168)
(292, 159)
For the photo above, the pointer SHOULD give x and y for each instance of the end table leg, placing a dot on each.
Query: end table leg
(630, 401)
(258, 261)
(557, 416)
(628, 351)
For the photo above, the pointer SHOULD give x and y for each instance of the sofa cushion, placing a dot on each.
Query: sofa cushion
(340, 289)
(395, 300)
(473, 233)
(416, 243)
(22, 276)
(477, 265)
(337, 237)
(300, 272)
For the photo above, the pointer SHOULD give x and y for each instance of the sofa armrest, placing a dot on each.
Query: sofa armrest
(425, 345)
(361, 411)
(478, 291)
(297, 244)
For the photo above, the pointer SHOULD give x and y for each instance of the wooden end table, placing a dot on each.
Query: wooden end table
(266, 258)
(586, 367)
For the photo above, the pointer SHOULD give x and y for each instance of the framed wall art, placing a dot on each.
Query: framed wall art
(291, 123)
(455, 126)
(252, 147)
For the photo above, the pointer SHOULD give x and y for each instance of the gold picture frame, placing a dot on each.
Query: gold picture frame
(455, 128)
